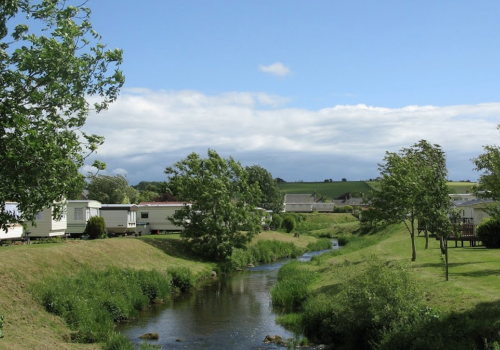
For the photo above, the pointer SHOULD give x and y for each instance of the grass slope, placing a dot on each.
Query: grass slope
(28, 326)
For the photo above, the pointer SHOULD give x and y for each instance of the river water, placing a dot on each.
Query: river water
(227, 312)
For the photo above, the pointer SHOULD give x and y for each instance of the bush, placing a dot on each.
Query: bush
(489, 232)
(289, 224)
(182, 278)
(96, 227)
(277, 221)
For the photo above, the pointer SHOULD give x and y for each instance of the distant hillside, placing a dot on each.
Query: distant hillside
(335, 189)
(329, 189)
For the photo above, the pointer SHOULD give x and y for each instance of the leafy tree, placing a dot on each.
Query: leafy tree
(488, 232)
(489, 182)
(96, 227)
(289, 223)
(108, 189)
(413, 186)
(280, 180)
(223, 204)
(51, 62)
(271, 199)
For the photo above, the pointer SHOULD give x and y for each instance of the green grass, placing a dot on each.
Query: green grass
(334, 189)
(470, 300)
(329, 189)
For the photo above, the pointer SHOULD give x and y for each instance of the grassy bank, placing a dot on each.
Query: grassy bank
(462, 313)
(27, 325)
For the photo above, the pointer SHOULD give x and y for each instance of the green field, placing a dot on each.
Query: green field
(334, 189)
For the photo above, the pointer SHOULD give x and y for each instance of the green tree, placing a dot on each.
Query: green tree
(52, 63)
(271, 199)
(223, 213)
(108, 189)
(413, 186)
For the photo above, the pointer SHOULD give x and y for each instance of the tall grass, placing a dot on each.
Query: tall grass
(293, 287)
(93, 301)
(320, 244)
(264, 252)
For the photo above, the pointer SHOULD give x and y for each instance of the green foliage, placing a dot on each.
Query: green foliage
(52, 63)
(489, 163)
(277, 221)
(289, 223)
(383, 299)
(110, 189)
(92, 301)
(117, 341)
(182, 278)
(413, 186)
(320, 244)
(488, 232)
(271, 198)
(264, 252)
(223, 205)
(96, 227)
(293, 287)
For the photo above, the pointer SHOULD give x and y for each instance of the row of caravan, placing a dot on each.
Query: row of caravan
(140, 219)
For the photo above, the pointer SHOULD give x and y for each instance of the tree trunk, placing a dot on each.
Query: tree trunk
(413, 249)
(442, 245)
(426, 238)
(446, 257)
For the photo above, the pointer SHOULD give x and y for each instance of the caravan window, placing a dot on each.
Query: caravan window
(145, 215)
(78, 214)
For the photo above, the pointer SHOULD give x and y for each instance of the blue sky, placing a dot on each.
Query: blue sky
(310, 90)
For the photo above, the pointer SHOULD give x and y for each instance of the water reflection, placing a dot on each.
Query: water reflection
(224, 313)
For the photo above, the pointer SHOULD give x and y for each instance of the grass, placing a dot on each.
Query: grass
(27, 325)
(470, 298)
(334, 189)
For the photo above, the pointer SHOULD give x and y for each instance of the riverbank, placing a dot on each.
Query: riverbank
(461, 313)
(28, 326)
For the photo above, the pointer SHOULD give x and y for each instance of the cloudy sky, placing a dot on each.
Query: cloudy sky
(310, 90)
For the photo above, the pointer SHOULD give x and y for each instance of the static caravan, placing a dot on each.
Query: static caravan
(299, 207)
(47, 226)
(473, 211)
(153, 216)
(119, 218)
(14, 231)
(79, 212)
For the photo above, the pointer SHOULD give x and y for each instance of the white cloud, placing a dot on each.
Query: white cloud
(278, 69)
(146, 131)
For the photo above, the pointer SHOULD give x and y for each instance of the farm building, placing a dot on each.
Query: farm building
(120, 218)
(15, 231)
(47, 226)
(79, 212)
(153, 216)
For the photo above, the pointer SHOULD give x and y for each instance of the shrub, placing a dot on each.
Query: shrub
(289, 224)
(489, 232)
(182, 278)
(277, 221)
(96, 227)
(117, 341)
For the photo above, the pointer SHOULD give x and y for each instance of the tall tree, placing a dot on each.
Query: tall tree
(489, 163)
(271, 199)
(412, 187)
(110, 189)
(223, 214)
(48, 71)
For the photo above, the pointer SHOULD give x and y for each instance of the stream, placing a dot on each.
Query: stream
(227, 312)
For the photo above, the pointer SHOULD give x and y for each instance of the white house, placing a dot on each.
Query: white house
(153, 216)
(473, 211)
(47, 226)
(79, 212)
(120, 218)
(14, 231)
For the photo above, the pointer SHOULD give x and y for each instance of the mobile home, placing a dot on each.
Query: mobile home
(47, 226)
(79, 212)
(14, 231)
(153, 216)
(120, 218)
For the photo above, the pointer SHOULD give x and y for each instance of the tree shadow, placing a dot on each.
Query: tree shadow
(174, 248)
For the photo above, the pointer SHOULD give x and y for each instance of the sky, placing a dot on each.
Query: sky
(309, 90)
